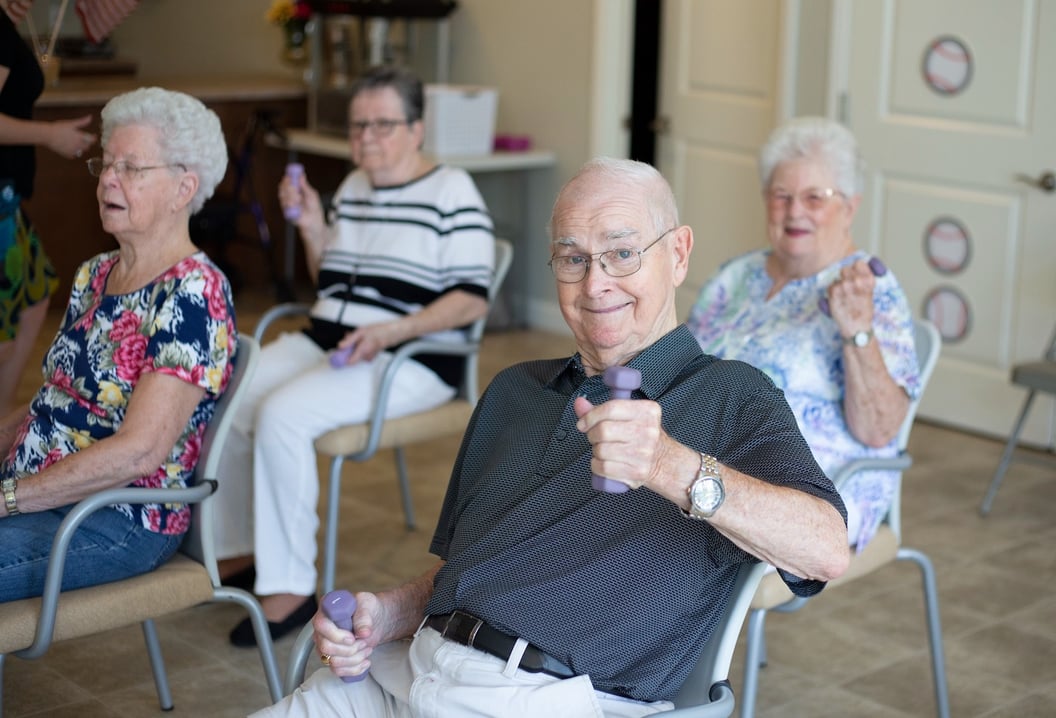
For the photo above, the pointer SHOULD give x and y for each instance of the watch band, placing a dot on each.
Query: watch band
(10, 502)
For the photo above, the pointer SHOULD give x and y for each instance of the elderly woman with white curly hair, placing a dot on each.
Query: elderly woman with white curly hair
(828, 324)
(143, 352)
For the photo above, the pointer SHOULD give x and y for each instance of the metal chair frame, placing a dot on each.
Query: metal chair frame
(61, 615)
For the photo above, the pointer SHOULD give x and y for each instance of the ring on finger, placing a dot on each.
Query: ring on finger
(325, 657)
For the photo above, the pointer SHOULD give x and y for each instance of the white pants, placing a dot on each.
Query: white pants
(432, 677)
(269, 485)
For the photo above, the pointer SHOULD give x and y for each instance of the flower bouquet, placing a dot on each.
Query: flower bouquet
(292, 16)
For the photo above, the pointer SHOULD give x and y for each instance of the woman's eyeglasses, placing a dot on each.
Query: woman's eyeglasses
(813, 198)
(125, 171)
(381, 128)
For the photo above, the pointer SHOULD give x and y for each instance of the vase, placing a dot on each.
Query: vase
(295, 52)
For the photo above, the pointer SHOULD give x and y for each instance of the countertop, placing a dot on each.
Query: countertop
(98, 90)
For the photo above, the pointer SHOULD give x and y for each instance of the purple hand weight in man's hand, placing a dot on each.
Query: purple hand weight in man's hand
(294, 171)
(621, 380)
(339, 359)
(878, 268)
(339, 606)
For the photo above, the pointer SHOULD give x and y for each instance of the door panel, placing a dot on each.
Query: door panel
(719, 89)
(951, 100)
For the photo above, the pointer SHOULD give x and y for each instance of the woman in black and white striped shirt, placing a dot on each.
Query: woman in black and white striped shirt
(407, 253)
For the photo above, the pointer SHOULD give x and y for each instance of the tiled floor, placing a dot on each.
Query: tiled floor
(859, 650)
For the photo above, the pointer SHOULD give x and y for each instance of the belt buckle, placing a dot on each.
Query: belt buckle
(461, 616)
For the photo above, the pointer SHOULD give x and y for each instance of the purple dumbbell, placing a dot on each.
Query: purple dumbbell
(339, 359)
(878, 268)
(339, 606)
(621, 380)
(294, 170)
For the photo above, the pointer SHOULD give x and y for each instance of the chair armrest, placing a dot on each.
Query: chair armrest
(81, 511)
(289, 309)
(302, 650)
(405, 352)
(721, 704)
(894, 463)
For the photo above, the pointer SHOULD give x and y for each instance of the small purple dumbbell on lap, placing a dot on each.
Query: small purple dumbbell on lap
(621, 380)
(339, 606)
(339, 359)
(878, 268)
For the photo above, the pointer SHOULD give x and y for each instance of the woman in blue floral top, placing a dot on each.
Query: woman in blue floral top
(143, 352)
(848, 374)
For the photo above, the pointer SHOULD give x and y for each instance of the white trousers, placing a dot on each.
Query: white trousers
(269, 484)
(431, 677)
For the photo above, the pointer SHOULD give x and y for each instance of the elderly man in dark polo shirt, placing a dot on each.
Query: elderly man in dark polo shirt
(577, 601)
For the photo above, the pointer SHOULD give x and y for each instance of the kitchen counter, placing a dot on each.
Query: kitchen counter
(96, 90)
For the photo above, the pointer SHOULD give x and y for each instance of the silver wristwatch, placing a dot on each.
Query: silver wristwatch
(7, 486)
(858, 339)
(707, 493)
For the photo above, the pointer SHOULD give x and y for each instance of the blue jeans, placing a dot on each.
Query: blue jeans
(108, 546)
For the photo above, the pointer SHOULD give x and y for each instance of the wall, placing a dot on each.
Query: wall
(229, 37)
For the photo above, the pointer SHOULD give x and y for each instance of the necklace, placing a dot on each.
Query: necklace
(45, 53)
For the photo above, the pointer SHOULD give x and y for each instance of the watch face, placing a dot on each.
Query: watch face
(707, 494)
(861, 339)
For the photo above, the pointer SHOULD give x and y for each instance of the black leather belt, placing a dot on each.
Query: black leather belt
(469, 630)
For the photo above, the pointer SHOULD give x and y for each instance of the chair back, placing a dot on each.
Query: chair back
(199, 543)
(713, 665)
(928, 342)
(503, 259)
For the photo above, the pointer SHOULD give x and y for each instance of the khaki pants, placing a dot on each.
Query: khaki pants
(431, 677)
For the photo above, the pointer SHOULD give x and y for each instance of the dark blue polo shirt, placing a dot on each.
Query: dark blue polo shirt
(622, 587)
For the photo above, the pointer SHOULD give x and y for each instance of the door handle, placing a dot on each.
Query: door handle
(1046, 181)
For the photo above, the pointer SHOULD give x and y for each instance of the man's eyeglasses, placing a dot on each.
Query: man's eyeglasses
(125, 171)
(381, 128)
(619, 262)
(813, 198)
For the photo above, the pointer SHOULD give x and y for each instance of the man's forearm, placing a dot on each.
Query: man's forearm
(405, 606)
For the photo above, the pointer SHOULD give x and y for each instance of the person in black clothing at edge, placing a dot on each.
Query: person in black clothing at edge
(580, 602)
(27, 278)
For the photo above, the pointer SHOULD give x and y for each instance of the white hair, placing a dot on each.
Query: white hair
(190, 133)
(816, 138)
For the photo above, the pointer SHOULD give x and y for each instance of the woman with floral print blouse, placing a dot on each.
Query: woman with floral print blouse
(144, 350)
(848, 373)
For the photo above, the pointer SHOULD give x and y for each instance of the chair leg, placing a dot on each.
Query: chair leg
(931, 607)
(260, 629)
(405, 488)
(753, 660)
(157, 664)
(1006, 457)
(2, 657)
(332, 512)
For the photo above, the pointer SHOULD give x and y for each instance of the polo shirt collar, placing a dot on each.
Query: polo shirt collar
(660, 364)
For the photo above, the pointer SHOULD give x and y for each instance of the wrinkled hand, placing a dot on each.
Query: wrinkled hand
(69, 139)
(628, 439)
(369, 341)
(851, 298)
(350, 652)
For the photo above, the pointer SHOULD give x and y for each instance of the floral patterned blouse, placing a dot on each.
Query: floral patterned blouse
(182, 324)
(801, 350)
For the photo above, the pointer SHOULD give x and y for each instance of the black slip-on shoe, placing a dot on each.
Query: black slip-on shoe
(243, 636)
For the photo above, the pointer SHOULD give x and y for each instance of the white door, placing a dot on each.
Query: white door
(719, 91)
(954, 105)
